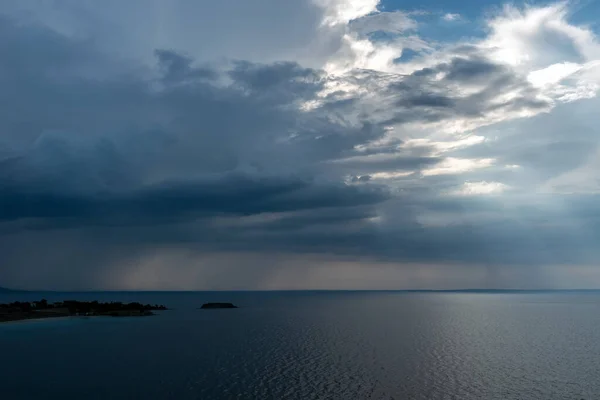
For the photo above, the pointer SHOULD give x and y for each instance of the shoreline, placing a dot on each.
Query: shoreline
(25, 320)
(64, 317)
(23, 311)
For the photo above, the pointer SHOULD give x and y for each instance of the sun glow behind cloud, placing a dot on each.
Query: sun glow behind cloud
(480, 188)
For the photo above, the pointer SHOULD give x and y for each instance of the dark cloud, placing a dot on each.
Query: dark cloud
(177, 68)
(105, 162)
(284, 81)
(384, 162)
(425, 100)
(362, 178)
(237, 195)
(470, 70)
(438, 93)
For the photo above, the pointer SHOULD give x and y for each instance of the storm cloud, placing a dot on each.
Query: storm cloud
(323, 164)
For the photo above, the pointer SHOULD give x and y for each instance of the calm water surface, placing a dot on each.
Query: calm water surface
(311, 345)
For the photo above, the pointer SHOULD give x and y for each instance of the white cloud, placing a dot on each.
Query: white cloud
(390, 174)
(394, 22)
(453, 165)
(567, 81)
(480, 188)
(553, 74)
(537, 37)
(340, 12)
(451, 17)
(357, 53)
(439, 147)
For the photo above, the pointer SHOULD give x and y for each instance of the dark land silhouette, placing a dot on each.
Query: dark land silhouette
(208, 306)
(19, 310)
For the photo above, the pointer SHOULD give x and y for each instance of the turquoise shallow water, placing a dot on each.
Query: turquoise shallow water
(312, 345)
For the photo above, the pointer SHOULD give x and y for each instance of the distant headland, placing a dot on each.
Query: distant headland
(19, 310)
(209, 306)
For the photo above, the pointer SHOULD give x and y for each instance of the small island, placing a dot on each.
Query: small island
(18, 311)
(209, 306)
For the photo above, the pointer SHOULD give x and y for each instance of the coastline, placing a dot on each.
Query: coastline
(65, 317)
(36, 319)
(24, 311)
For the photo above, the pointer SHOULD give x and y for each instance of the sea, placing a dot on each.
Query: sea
(311, 345)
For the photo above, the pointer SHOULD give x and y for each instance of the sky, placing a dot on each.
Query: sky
(309, 144)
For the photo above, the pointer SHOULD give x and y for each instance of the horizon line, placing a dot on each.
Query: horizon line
(464, 290)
